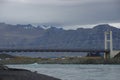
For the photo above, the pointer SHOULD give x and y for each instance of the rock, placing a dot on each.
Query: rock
(21, 74)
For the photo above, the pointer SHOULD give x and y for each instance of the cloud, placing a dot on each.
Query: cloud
(65, 12)
(57, 2)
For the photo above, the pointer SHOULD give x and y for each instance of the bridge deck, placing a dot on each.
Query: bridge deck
(51, 50)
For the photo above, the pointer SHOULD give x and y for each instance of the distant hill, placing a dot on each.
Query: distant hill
(3, 56)
(28, 36)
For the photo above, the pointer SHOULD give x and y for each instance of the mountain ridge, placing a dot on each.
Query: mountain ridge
(29, 36)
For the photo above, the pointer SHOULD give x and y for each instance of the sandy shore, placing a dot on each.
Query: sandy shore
(21, 74)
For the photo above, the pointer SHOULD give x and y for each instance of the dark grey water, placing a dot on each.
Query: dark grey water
(76, 72)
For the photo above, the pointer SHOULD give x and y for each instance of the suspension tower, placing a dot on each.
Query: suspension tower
(108, 44)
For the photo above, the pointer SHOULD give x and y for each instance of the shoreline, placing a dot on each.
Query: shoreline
(65, 61)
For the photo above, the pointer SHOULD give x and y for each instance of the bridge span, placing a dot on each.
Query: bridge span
(106, 52)
(53, 50)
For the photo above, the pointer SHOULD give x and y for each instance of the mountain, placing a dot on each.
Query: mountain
(46, 36)
(28, 36)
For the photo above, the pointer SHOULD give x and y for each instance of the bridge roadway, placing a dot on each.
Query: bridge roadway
(53, 50)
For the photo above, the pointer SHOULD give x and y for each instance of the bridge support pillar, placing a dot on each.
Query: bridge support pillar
(107, 55)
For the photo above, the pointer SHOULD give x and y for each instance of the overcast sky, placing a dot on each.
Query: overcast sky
(62, 12)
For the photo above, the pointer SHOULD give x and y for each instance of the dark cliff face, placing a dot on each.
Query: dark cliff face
(28, 36)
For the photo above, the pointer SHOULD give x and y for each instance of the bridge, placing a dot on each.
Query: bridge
(108, 53)
(53, 50)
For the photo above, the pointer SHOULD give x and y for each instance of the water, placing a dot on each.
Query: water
(75, 72)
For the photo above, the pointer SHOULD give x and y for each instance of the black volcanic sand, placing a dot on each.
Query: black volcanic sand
(22, 74)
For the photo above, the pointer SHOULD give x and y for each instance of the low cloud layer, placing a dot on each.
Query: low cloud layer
(64, 12)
